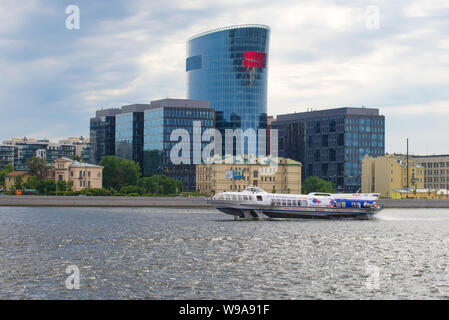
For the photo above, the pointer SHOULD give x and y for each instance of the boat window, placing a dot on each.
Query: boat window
(233, 197)
(245, 197)
(294, 203)
(284, 202)
(289, 202)
(259, 198)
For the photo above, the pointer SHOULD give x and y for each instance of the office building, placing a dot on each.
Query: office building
(25, 149)
(102, 134)
(6, 155)
(228, 67)
(129, 127)
(80, 144)
(387, 174)
(220, 177)
(331, 143)
(160, 121)
(436, 169)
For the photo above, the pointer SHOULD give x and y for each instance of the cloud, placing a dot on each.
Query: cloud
(322, 55)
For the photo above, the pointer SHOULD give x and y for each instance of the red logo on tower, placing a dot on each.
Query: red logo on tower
(254, 59)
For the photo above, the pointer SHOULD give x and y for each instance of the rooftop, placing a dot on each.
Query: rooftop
(16, 173)
(345, 111)
(262, 26)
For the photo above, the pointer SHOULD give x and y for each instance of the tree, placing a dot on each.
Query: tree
(8, 169)
(76, 158)
(315, 184)
(18, 182)
(119, 172)
(160, 184)
(38, 168)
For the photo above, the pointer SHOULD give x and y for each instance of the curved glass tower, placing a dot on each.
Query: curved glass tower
(228, 67)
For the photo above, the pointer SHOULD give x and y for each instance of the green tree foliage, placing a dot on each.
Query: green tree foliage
(38, 168)
(8, 169)
(132, 190)
(160, 184)
(315, 184)
(76, 158)
(18, 183)
(119, 172)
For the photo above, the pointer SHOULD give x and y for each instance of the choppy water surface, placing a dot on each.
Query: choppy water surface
(153, 253)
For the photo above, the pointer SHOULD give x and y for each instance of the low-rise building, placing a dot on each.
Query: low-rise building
(387, 173)
(282, 176)
(436, 169)
(11, 178)
(82, 175)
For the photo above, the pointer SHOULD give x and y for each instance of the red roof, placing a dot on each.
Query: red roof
(16, 173)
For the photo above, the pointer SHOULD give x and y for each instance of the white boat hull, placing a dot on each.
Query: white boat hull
(255, 204)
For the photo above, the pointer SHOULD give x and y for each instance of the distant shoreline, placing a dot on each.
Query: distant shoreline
(174, 202)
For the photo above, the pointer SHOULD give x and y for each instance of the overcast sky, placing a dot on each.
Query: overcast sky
(323, 54)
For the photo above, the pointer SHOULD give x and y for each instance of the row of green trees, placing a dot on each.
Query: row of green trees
(124, 177)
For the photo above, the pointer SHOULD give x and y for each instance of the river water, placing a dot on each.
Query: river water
(155, 253)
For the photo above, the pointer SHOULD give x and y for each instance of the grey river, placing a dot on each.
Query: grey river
(154, 253)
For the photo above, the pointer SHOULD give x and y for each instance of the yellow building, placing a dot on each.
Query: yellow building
(10, 178)
(285, 177)
(82, 175)
(387, 173)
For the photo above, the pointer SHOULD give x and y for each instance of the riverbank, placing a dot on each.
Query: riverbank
(85, 201)
(176, 202)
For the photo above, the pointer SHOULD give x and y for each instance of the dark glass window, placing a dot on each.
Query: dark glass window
(194, 62)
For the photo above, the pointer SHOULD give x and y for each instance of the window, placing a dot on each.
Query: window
(259, 198)
(255, 173)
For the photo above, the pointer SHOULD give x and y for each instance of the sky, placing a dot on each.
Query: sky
(391, 55)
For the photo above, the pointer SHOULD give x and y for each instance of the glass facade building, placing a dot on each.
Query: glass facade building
(160, 121)
(102, 137)
(6, 155)
(228, 67)
(129, 136)
(25, 151)
(332, 143)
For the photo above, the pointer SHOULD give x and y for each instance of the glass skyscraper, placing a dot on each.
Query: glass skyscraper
(331, 143)
(228, 67)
